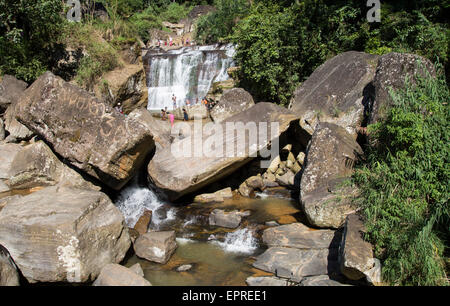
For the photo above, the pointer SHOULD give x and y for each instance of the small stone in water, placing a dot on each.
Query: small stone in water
(184, 268)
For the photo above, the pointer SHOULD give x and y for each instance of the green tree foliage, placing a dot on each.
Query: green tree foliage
(405, 188)
(315, 30)
(28, 32)
(219, 24)
(280, 44)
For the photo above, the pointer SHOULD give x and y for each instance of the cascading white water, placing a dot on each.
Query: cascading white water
(134, 200)
(240, 241)
(187, 73)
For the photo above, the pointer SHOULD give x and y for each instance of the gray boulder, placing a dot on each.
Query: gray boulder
(10, 89)
(216, 197)
(355, 254)
(232, 102)
(35, 165)
(335, 92)
(89, 134)
(295, 264)
(222, 218)
(178, 173)
(299, 236)
(156, 246)
(392, 71)
(117, 275)
(330, 157)
(61, 234)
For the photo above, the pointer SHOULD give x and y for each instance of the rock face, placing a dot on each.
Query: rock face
(83, 130)
(127, 86)
(355, 254)
(63, 234)
(156, 246)
(392, 71)
(117, 275)
(8, 270)
(35, 165)
(10, 89)
(202, 158)
(2, 130)
(218, 196)
(299, 236)
(336, 92)
(296, 252)
(232, 102)
(331, 155)
(226, 219)
(17, 131)
(295, 264)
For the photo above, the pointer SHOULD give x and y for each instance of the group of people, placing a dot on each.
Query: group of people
(167, 115)
(169, 42)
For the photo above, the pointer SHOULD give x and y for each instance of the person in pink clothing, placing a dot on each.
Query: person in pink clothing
(171, 118)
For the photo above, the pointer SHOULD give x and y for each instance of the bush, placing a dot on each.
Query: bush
(405, 188)
(219, 24)
(101, 56)
(28, 33)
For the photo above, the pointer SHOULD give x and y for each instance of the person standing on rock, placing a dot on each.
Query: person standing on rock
(185, 114)
(174, 100)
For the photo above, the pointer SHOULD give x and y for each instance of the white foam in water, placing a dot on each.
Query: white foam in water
(134, 200)
(183, 241)
(261, 195)
(241, 241)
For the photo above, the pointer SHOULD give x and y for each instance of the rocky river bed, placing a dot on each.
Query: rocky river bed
(208, 255)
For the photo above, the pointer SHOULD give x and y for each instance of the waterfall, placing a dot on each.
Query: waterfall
(187, 73)
(240, 241)
(135, 199)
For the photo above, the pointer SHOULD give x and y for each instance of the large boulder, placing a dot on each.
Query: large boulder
(35, 165)
(117, 275)
(217, 197)
(87, 133)
(230, 219)
(17, 131)
(204, 158)
(9, 276)
(336, 92)
(296, 264)
(10, 89)
(156, 246)
(125, 85)
(392, 72)
(232, 102)
(299, 236)
(355, 254)
(325, 194)
(61, 234)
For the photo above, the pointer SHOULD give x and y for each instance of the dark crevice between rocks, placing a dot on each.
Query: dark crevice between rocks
(368, 103)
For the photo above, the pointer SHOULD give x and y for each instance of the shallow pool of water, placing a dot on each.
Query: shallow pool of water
(219, 256)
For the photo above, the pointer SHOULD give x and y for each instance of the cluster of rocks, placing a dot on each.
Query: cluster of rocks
(298, 255)
(56, 225)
